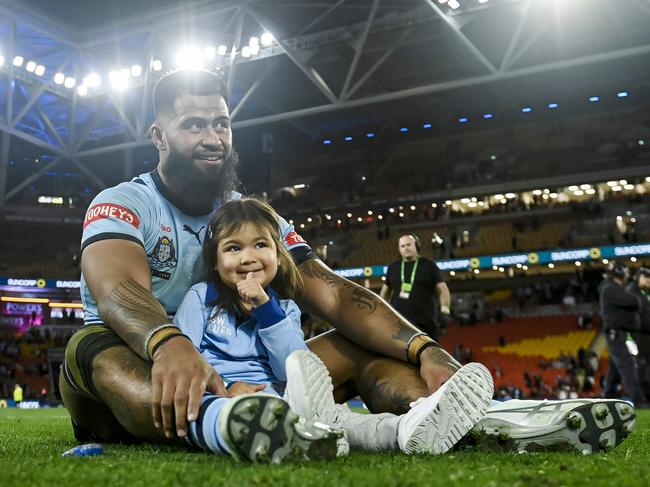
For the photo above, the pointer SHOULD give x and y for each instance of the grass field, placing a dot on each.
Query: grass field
(31, 443)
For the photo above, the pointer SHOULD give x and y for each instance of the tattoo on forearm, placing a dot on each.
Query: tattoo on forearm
(402, 332)
(132, 311)
(364, 299)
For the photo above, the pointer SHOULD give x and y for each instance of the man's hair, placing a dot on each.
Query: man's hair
(185, 82)
(230, 218)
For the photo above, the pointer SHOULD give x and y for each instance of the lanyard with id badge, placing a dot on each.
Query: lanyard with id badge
(406, 288)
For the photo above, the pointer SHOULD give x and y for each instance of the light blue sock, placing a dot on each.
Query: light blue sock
(204, 432)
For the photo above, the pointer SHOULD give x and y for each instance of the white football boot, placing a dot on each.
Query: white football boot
(436, 423)
(310, 393)
(261, 428)
(582, 425)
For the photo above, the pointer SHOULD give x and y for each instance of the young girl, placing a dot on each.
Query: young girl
(244, 323)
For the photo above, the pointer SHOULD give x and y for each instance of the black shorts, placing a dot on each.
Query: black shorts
(82, 348)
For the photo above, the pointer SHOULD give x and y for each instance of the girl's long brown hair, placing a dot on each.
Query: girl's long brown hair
(231, 217)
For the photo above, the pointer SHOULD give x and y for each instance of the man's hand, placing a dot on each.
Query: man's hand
(251, 290)
(179, 377)
(436, 367)
(239, 387)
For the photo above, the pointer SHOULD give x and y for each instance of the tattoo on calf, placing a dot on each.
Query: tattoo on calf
(132, 311)
(386, 398)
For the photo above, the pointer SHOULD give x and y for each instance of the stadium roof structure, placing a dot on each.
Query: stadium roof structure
(76, 77)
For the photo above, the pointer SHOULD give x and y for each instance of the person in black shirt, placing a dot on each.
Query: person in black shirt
(620, 311)
(640, 287)
(414, 286)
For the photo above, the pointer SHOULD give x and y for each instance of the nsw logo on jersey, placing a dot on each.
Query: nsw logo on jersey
(164, 254)
(293, 239)
(218, 324)
(113, 211)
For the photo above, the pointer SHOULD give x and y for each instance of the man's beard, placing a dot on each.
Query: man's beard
(199, 189)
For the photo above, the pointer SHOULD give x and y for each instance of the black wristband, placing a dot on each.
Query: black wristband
(164, 340)
(422, 349)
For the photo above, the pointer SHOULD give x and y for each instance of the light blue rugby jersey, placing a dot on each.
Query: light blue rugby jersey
(142, 210)
(254, 351)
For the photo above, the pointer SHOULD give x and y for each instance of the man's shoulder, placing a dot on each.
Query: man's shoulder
(138, 188)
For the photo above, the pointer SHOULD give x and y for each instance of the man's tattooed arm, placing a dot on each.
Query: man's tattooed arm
(132, 312)
(359, 314)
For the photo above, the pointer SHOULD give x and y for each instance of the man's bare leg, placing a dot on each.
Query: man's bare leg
(384, 384)
(123, 381)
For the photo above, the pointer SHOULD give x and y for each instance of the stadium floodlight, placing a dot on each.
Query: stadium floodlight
(380, 217)
(412, 207)
(2, 60)
(254, 41)
(464, 200)
(82, 90)
(348, 138)
(309, 220)
(328, 217)
(209, 53)
(453, 4)
(633, 259)
(451, 273)
(246, 51)
(463, 120)
(585, 186)
(30, 67)
(370, 135)
(92, 80)
(573, 188)
(579, 193)
(156, 64)
(551, 265)
(136, 70)
(403, 129)
(427, 125)
(18, 61)
(553, 105)
(590, 191)
(69, 82)
(369, 212)
(442, 1)
(537, 192)
(594, 99)
(267, 39)
(40, 70)
(622, 182)
(511, 195)
(482, 1)
(300, 186)
(349, 215)
(622, 94)
(119, 79)
(189, 58)
(616, 188)
(488, 116)
(629, 187)
(222, 50)
(527, 109)
(641, 142)
(327, 142)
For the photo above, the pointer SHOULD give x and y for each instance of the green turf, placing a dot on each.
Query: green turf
(31, 443)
